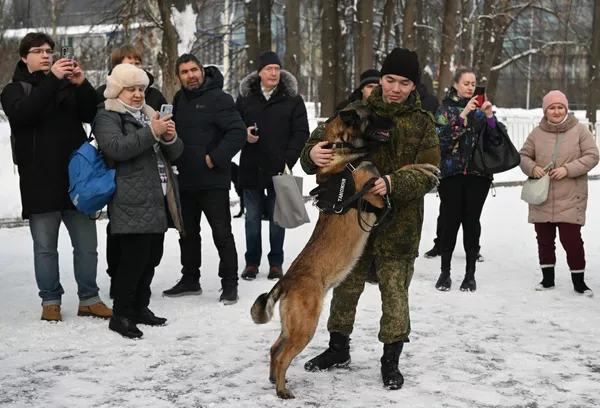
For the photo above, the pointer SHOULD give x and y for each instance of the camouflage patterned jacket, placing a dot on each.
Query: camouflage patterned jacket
(413, 140)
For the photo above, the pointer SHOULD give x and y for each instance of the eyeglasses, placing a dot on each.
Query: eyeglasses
(39, 51)
(272, 69)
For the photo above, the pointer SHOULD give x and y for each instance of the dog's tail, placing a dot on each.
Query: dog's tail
(262, 309)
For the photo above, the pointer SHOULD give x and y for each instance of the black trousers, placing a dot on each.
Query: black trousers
(214, 204)
(462, 200)
(113, 251)
(140, 255)
(438, 228)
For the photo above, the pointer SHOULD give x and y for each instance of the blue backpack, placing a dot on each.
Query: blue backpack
(91, 182)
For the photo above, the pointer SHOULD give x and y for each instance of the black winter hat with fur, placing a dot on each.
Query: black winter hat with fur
(402, 62)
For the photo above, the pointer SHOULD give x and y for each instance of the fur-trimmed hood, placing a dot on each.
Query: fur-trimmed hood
(288, 85)
(114, 105)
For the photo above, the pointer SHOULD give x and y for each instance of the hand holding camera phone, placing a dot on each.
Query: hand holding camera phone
(480, 95)
(67, 53)
(253, 133)
(165, 109)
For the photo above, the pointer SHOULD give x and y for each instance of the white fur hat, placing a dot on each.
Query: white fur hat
(122, 76)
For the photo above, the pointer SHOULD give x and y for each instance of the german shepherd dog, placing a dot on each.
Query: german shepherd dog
(335, 246)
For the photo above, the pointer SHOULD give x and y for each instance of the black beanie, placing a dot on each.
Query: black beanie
(402, 62)
(370, 76)
(268, 58)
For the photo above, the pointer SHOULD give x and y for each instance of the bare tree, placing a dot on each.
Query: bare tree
(594, 75)
(364, 39)
(408, 25)
(251, 28)
(450, 30)
(265, 25)
(330, 34)
(169, 54)
(293, 51)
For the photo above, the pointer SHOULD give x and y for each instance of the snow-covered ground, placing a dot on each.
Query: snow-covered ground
(502, 346)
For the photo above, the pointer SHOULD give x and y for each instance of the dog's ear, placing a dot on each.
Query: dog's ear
(350, 117)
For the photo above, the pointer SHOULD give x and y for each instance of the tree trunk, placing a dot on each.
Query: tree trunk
(343, 61)
(594, 76)
(423, 36)
(168, 55)
(265, 25)
(408, 25)
(251, 25)
(364, 46)
(482, 49)
(388, 19)
(293, 51)
(449, 32)
(466, 41)
(329, 33)
(496, 57)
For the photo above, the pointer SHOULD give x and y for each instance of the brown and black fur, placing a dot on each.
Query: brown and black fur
(333, 249)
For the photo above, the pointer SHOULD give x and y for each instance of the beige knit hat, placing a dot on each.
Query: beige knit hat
(122, 76)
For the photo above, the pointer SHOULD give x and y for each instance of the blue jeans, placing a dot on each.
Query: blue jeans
(254, 200)
(82, 230)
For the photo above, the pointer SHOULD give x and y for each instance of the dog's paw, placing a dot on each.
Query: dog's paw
(285, 394)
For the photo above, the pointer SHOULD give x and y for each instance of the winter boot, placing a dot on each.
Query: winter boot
(250, 272)
(125, 327)
(275, 272)
(547, 279)
(147, 317)
(337, 355)
(444, 282)
(187, 285)
(98, 309)
(51, 313)
(229, 294)
(579, 284)
(468, 284)
(433, 252)
(391, 375)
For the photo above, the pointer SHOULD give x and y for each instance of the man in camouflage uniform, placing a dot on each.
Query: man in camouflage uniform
(395, 242)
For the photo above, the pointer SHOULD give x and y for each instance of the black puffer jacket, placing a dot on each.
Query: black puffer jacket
(47, 126)
(207, 123)
(282, 129)
(154, 98)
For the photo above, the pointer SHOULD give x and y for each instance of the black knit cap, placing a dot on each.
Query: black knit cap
(370, 76)
(267, 58)
(402, 62)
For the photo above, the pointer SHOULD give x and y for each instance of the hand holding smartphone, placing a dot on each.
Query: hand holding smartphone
(165, 109)
(480, 95)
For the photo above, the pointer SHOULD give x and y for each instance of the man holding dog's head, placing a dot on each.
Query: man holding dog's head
(395, 242)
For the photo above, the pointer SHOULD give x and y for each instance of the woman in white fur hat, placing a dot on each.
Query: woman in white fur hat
(140, 146)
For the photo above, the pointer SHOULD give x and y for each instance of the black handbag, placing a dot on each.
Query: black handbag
(490, 159)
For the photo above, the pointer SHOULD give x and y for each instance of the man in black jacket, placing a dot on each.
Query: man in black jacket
(212, 132)
(277, 128)
(126, 54)
(46, 104)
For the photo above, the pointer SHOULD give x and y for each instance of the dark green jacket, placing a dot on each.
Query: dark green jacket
(414, 140)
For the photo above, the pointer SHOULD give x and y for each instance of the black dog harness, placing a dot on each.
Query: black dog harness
(338, 195)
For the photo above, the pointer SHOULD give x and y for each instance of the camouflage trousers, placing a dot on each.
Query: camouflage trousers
(394, 279)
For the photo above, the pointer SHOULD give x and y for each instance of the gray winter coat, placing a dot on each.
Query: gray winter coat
(138, 206)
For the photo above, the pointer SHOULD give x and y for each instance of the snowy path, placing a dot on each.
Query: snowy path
(503, 346)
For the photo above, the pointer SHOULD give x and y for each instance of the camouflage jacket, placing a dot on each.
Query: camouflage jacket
(413, 140)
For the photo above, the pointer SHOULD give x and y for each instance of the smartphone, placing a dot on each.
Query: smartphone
(165, 109)
(480, 95)
(67, 52)
(255, 130)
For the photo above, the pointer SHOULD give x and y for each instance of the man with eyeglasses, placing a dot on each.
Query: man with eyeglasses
(275, 116)
(46, 104)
